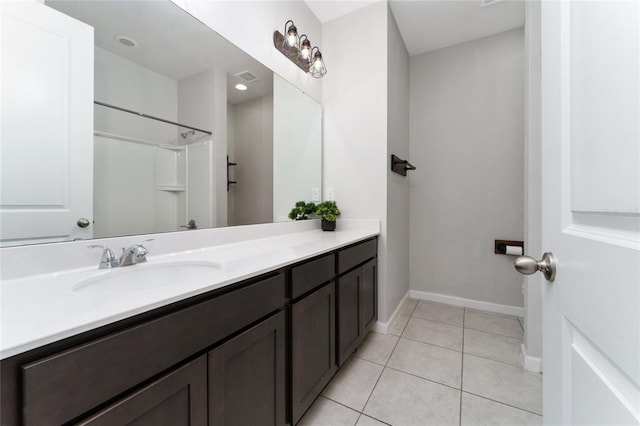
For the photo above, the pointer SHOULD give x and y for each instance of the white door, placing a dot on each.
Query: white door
(591, 211)
(46, 136)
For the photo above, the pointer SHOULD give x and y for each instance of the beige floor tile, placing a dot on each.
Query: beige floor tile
(353, 383)
(435, 333)
(478, 411)
(369, 421)
(402, 399)
(377, 347)
(398, 325)
(407, 307)
(428, 361)
(493, 346)
(324, 412)
(490, 323)
(440, 313)
(502, 382)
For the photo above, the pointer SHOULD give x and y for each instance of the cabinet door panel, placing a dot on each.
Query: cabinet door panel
(247, 377)
(312, 347)
(369, 295)
(348, 302)
(177, 399)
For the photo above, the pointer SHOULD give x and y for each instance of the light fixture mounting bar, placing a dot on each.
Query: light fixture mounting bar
(290, 52)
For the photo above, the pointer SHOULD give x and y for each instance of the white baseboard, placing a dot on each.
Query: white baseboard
(383, 327)
(468, 303)
(530, 363)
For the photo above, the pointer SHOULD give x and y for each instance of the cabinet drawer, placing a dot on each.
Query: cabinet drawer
(310, 275)
(65, 385)
(355, 255)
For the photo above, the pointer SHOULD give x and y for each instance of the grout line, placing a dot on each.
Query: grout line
(501, 362)
(333, 400)
(436, 321)
(462, 369)
(382, 372)
(424, 378)
(497, 334)
(431, 344)
(503, 403)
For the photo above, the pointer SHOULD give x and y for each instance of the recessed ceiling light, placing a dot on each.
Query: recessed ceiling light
(126, 41)
(241, 86)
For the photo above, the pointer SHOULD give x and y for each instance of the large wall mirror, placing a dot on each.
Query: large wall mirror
(176, 143)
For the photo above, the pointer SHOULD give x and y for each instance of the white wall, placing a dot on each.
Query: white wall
(466, 139)
(250, 26)
(252, 123)
(122, 83)
(397, 186)
(297, 147)
(355, 125)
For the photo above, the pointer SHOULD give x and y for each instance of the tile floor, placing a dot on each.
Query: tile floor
(439, 365)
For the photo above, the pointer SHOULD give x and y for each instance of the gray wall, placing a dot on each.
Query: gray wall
(251, 199)
(466, 138)
(397, 186)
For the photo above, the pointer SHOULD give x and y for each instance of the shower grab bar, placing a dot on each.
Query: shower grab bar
(151, 117)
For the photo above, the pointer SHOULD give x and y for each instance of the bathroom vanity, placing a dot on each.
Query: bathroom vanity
(255, 351)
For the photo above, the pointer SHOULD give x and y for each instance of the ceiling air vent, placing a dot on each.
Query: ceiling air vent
(247, 76)
(485, 3)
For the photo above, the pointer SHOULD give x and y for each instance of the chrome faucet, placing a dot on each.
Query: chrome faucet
(108, 260)
(136, 253)
(131, 255)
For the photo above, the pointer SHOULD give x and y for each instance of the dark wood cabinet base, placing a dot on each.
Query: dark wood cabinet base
(258, 352)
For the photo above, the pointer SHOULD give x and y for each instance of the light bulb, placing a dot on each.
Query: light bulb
(291, 40)
(305, 53)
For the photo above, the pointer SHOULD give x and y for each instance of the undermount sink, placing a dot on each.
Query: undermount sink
(149, 276)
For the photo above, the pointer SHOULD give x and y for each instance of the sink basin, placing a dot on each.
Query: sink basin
(149, 276)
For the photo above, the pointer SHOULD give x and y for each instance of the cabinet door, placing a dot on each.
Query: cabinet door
(177, 399)
(348, 302)
(312, 347)
(247, 377)
(369, 295)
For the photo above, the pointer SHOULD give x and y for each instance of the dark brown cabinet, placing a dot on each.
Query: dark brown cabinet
(176, 399)
(312, 347)
(247, 377)
(357, 299)
(258, 352)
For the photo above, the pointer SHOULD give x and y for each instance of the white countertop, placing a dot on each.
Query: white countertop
(44, 308)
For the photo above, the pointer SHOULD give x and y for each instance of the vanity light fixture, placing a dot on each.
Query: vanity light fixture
(317, 70)
(292, 34)
(299, 51)
(305, 48)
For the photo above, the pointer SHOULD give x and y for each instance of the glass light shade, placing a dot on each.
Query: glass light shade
(292, 35)
(317, 69)
(305, 48)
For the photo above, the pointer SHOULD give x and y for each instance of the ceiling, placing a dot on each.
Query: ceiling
(427, 25)
(171, 42)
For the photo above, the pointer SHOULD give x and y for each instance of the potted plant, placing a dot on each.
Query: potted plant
(328, 211)
(302, 210)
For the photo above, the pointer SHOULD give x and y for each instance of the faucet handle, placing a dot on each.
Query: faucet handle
(108, 259)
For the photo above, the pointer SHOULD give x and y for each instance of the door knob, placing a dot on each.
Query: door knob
(83, 222)
(527, 265)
